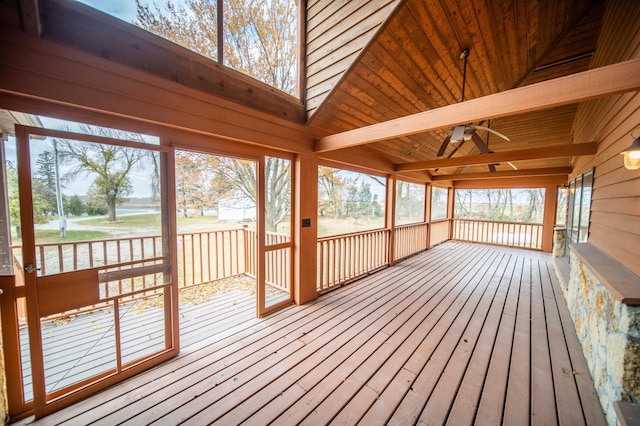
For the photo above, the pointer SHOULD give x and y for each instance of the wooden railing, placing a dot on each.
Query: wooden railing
(209, 256)
(277, 262)
(511, 234)
(55, 258)
(439, 232)
(343, 258)
(410, 239)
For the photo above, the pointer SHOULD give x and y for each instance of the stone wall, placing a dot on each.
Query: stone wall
(609, 332)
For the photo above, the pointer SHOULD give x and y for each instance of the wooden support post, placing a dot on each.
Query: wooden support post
(450, 210)
(306, 229)
(390, 216)
(427, 212)
(549, 217)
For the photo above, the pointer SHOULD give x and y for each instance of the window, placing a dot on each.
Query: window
(524, 205)
(349, 201)
(439, 203)
(579, 209)
(259, 37)
(409, 202)
(561, 210)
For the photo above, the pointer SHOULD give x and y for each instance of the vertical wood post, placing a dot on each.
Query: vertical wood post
(427, 212)
(305, 237)
(549, 217)
(390, 217)
(450, 210)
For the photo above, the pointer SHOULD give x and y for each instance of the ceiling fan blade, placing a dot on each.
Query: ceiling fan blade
(492, 168)
(443, 146)
(480, 143)
(491, 131)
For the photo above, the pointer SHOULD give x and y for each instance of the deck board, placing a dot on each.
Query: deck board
(462, 333)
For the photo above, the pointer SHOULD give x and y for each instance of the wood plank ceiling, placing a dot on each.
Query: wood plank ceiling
(413, 64)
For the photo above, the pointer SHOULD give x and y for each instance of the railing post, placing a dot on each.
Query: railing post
(427, 213)
(390, 218)
(245, 238)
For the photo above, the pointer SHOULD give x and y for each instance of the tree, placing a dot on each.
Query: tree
(361, 202)
(409, 201)
(75, 207)
(110, 164)
(39, 203)
(44, 182)
(331, 188)
(260, 37)
(242, 177)
(277, 191)
(199, 182)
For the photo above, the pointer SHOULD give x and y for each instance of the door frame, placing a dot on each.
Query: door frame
(43, 403)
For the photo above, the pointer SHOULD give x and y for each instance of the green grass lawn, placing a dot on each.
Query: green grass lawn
(123, 221)
(45, 236)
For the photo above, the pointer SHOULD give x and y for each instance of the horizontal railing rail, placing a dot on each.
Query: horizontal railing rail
(209, 256)
(511, 234)
(343, 258)
(202, 257)
(410, 239)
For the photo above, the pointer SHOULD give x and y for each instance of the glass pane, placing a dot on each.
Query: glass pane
(409, 202)
(94, 204)
(585, 206)
(561, 211)
(349, 201)
(260, 40)
(260, 37)
(439, 203)
(278, 276)
(9, 208)
(575, 225)
(25, 358)
(524, 205)
(142, 325)
(277, 200)
(91, 129)
(78, 347)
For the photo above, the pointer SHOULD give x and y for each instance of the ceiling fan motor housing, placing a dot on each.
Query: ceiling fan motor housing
(458, 133)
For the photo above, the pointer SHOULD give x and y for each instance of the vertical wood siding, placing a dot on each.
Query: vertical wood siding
(615, 217)
(337, 31)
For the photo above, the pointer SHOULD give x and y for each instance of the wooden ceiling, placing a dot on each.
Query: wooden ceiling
(413, 65)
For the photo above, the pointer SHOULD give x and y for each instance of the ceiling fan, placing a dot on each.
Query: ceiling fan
(467, 132)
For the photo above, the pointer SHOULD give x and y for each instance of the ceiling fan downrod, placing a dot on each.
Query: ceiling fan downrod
(464, 55)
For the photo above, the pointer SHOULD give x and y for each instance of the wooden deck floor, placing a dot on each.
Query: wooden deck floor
(460, 334)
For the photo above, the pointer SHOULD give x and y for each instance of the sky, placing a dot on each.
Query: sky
(123, 9)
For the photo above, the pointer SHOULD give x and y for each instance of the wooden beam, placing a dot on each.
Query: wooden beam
(612, 79)
(516, 182)
(506, 174)
(35, 71)
(570, 150)
(30, 15)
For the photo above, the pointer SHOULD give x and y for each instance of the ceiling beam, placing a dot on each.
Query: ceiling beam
(618, 78)
(30, 14)
(569, 150)
(551, 171)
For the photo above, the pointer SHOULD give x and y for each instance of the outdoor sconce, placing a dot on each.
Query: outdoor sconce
(632, 155)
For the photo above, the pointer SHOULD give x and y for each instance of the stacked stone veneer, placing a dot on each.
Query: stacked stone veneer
(609, 332)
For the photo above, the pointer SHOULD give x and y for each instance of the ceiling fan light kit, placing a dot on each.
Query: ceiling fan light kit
(632, 155)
